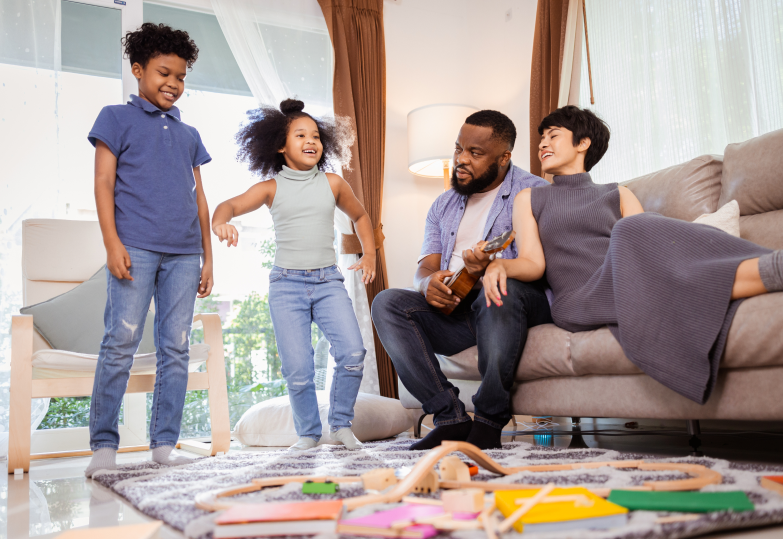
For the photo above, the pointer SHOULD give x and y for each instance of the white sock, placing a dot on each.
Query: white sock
(304, 444)
(162, 455)
(104, 458)
(345, 435)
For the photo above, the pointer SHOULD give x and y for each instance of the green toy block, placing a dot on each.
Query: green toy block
(310, 487)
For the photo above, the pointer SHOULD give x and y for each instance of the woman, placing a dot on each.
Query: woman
(667, 289)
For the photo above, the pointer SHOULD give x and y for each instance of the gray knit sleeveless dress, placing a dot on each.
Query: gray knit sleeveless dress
(663, 286)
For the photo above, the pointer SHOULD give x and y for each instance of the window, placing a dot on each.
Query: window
(675, 80)
(53, 89)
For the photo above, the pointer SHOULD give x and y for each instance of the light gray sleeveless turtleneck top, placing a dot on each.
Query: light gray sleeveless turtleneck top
(303, 213)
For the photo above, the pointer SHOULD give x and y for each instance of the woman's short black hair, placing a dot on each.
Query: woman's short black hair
(152, 40)
(262, 138)
(583, 124)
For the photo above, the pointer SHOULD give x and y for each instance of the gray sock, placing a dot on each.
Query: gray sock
(345, 435)
(771, 271)
(304, 443)
(104, 458)
(162, 455)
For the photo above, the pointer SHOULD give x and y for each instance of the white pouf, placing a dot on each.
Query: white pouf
(271, 423)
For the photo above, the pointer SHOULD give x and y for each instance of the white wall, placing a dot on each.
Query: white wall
(446, 51)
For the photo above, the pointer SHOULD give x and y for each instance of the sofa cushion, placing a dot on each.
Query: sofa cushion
(683, 191)
(753, 174)
(765, 229)
(546, 354)
(754, 340)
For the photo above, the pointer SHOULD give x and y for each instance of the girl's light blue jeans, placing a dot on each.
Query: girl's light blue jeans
(296, 299)
(173, 280)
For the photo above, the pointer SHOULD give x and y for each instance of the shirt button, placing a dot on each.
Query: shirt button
(452, 233)
(165, 127)
(162, 115)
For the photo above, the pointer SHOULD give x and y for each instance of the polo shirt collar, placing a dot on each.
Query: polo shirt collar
(146, 106)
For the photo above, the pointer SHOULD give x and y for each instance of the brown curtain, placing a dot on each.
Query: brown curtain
(356, 30)
(548, 41)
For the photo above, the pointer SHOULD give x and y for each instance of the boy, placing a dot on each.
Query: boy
(155, 224)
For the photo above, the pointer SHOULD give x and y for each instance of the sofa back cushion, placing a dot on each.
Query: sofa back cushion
(683, 191)
(753, 176)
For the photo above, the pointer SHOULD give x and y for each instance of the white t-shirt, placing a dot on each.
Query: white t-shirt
(471, 227)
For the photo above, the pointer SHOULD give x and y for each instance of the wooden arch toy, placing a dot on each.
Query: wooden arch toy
(701, 476)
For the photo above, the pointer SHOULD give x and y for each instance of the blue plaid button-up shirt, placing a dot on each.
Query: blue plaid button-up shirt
(440, 231)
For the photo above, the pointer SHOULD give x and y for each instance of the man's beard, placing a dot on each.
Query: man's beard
(476, 184)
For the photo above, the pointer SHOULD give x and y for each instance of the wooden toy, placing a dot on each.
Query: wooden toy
(315, 487)
(423, 478)
(379, 479)
(467, 500)
(426, 485)
(453, 469)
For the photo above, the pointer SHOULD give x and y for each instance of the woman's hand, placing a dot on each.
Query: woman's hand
(205, 286)
(226, 232)
(118, 260)
(495, 283)
(367, 266)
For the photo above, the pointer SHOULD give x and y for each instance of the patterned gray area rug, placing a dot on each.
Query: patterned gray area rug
(168, 493)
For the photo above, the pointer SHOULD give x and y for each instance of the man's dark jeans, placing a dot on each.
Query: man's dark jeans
(412, 331)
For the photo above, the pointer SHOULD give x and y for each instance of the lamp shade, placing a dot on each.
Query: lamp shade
(432, 131)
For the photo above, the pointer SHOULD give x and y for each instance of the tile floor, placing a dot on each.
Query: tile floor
(55, 496)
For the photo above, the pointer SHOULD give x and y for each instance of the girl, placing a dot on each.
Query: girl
(305, 284)
(667, 289)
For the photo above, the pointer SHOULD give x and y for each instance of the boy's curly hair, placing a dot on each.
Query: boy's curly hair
(152, 40)
(265, 134)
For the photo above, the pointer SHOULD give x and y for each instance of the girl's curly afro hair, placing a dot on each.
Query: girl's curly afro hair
(265, 134)
(152, 40)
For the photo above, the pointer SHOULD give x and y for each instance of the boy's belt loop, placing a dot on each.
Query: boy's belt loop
(285, 272)
(323, 274)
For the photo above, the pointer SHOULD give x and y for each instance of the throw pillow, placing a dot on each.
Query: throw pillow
(73, 321)
(271, 423)
(726, 218)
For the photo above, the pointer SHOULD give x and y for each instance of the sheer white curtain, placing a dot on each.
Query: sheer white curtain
(282, 48)
(677, 79)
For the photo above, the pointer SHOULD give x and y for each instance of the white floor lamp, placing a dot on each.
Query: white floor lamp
(432, 131)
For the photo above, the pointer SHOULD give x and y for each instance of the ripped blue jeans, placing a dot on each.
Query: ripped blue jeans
(173, 280)
(296, 299)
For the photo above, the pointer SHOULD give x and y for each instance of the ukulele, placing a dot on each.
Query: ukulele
(462, 282)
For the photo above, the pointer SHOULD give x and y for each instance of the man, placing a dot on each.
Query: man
(410, 324)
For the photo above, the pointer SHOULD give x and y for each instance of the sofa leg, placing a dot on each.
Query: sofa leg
(695, 430)
(577, 442)
(417, 426)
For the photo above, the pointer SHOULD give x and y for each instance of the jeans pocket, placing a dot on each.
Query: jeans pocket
(335, 275)
(275, 276)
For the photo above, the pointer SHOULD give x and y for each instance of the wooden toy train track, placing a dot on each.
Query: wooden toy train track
(423, 478)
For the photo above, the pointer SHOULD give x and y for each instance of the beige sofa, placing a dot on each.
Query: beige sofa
(587, 375)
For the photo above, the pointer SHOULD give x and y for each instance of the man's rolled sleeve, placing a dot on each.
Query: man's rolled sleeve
(432, 234)
(107, 130)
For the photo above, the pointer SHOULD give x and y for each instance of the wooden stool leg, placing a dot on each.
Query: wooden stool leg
(21, 393)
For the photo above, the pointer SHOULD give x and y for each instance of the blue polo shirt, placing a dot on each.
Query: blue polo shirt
(155, 205)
